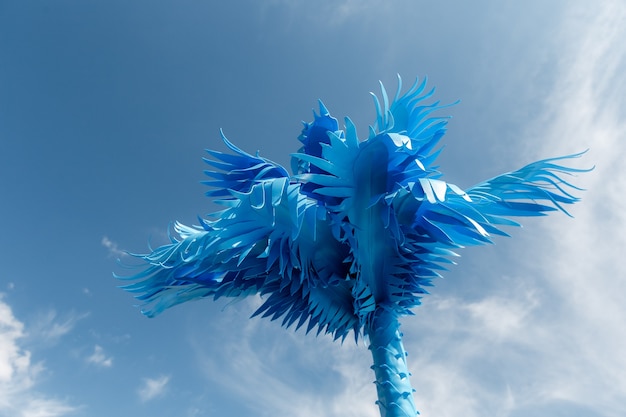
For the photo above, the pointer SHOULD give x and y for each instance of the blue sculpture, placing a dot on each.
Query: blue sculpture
(351, 240)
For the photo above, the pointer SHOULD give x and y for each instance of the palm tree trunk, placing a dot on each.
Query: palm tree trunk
(395, 394)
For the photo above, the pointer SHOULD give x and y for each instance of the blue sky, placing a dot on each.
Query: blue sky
(106, 108)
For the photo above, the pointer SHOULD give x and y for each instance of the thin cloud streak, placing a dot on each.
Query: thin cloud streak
(114, 250)
(49, 328)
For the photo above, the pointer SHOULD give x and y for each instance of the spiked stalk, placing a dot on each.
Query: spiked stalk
(395, 394)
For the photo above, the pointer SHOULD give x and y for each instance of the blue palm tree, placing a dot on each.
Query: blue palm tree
(351, 240)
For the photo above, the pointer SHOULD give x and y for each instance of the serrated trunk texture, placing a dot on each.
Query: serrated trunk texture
(395, 394)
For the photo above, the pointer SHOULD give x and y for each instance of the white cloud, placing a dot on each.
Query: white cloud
(114, 250)
(500, 316)
(99, 358)
(448, 335)
(585, 268)
(291, 374)
(18, 375)
(11, 359)
(48, 328)
(153, 387)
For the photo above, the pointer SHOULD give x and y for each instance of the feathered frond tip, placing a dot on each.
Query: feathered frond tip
(360, 224)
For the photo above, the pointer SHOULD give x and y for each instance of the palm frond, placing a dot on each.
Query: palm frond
(360, 224)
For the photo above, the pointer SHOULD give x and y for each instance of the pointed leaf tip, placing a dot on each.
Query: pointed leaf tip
(323, 110)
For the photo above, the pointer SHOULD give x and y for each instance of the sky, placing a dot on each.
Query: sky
(106, 109)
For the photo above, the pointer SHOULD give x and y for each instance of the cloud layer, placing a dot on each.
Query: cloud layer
(19, 375)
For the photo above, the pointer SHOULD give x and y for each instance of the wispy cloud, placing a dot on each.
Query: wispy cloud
(153, 387)
(470, 357)
(585, 269)
(18, 375)
(556, 342)
(114, 250)
(99, 358)
(292, 374)
(49, 327)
